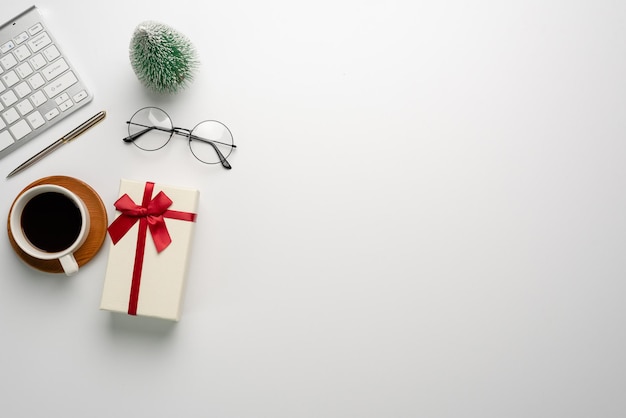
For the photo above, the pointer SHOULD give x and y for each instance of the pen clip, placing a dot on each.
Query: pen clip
(74, 133)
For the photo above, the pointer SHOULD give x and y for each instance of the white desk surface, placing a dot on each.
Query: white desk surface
(426, 216)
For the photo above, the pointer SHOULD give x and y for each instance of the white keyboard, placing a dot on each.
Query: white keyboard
(38, 85)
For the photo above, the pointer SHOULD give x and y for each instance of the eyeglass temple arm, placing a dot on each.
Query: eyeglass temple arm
(208, 141)
(131, 138)
(223, 159)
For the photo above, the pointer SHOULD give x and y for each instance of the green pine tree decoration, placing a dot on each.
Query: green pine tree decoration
(163, 59)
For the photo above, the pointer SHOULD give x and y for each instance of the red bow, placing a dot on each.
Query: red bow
(152, 212)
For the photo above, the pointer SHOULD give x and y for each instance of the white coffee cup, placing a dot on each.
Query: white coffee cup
(44, 222)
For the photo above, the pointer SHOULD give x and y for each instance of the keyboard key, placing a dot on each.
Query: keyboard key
(40, 41)
(80, 96)
(36, 81)
(24, 70)
(22, 52)
(7, 46)
(62, 98)
(38, 61)
(55, 69)
(20, 129)
(51, 53)
(21, 38)
(2, 124)
(10, 78)
(35, 119)
(8, 98)
(6, 140)
(22, 89)
(60, 84)
(8, 61)
(38, 98)
(24, 107)
(10, 116)
(52, 114)
(66, 105)
(35, 29)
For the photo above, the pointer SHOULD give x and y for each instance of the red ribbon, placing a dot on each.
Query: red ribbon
(151, 216)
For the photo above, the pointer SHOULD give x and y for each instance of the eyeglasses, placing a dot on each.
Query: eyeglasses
(210, 141)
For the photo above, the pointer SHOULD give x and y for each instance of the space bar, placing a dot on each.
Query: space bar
(60, 84)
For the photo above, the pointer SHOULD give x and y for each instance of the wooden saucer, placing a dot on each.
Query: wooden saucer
(97, 230)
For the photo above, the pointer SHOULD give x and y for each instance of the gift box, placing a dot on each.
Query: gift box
(150, 247)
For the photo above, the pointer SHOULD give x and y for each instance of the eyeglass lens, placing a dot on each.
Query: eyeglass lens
(151, 127)
(207, 138)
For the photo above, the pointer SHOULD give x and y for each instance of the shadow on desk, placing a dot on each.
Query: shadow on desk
(141, 327)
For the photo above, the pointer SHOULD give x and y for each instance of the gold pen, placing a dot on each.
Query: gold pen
(61, 141)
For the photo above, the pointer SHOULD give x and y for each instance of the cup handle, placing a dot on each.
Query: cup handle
(69, 264)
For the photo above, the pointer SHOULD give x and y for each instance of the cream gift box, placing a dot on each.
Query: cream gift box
(150, 245)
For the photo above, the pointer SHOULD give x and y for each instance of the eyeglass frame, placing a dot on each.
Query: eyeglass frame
(181, 132)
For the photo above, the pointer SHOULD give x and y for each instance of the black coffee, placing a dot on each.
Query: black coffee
(51, 222)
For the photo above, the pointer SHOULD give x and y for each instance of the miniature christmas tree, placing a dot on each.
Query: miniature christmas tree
(163, 59)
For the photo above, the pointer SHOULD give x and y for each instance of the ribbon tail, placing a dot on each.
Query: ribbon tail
(159, 232)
